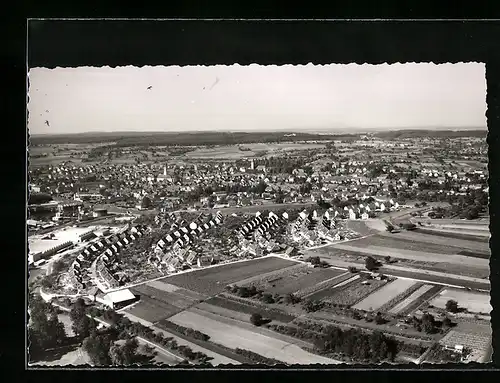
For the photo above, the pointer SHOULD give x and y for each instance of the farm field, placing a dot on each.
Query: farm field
(471, 301)
(173, 298)
(211, 281)
(216, 358)
(476, 336)
(256, 280)
(332, 282)
(415, 255)
(233, 151)
(326, 292)
(398, 243)
(226, 316)
(249, 309)
(353, 292)
(469, 235)
(383, 295)
(152, 310)
(235, 337)
(296, 279)
(398, 308)
(440, 240)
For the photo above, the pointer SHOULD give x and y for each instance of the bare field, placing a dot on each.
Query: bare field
(152, 310)
(410, 299)
(172, 298)
(235, 337)
(471, 301)
(383, 295)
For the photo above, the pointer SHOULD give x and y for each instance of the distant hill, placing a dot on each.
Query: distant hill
(183, 138)
(416, 133)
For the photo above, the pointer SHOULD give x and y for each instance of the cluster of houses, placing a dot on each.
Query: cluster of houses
(255, 236)
(104, 251)
(177, 248)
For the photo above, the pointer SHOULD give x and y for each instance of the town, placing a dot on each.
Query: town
(275, 248)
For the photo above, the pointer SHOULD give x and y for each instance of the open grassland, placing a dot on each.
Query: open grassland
(249, 308)
(473, 302)
(236, 337)
(398, 308)
(383, 295)
(212, 281)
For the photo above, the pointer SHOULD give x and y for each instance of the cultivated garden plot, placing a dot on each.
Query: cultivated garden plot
(329, 290)
(473, 302)
(478, 343)
(398, 308)
(353, 292)
(383, 295)
(260, 279)
(168, 288)
(235, 337)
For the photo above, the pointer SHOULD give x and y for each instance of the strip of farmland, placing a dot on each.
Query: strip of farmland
(250, 309)
(478, 237)
(394, 242)
(152, 310)
(269, 275)
(330, 290)
(415, 255)
(171, 298)
(329, 283)
(235, 337)
(166, 287)
(435, 239)
(383, 295)
(406, 302)
(226, 316)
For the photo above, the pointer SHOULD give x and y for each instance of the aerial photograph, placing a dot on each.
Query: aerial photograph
(220, 216)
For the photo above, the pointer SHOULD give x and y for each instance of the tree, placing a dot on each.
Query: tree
(146, 202)
(256, 319)
(267, 298)
(82, 324)
(370, 263)
(98, 347)
(57, 266)
(428, 323)
(452, 306)
(387, 259)
(352, 269)
(447, 322)
(291, 299)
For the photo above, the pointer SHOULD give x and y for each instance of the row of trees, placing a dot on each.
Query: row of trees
(45, 331)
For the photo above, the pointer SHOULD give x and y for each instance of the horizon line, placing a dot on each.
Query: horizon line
(311, 131)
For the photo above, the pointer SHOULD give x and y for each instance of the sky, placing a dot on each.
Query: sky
(249, 98)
